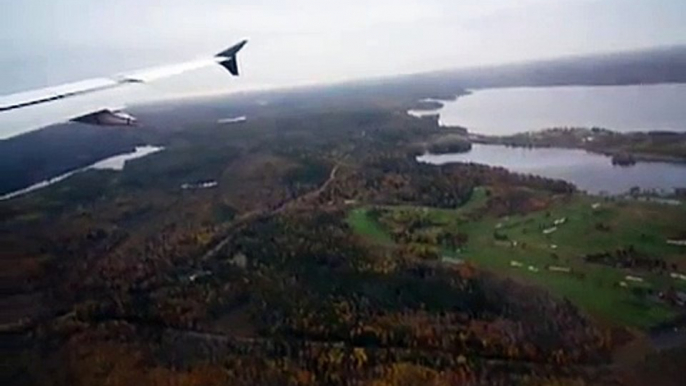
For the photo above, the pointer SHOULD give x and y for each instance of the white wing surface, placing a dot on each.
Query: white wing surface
(43, 103)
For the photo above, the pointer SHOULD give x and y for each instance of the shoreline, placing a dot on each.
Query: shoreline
(638, 156)
(116, 163)
(581, 138)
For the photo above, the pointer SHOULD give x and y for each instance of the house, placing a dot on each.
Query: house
(635, 279)
(240, 260)
(549, 230)
(200, 185)
(198, 274)
(452, 260)
(674, 297)
(681, 298)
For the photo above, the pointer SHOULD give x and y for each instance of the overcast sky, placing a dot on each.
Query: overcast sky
(48, 42)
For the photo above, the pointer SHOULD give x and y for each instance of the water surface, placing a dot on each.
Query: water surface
(113, 163)
(620, 108)
(591, 172)
(118, 161)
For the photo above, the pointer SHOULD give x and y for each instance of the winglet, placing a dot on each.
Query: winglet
(233, 50)
(227, 58)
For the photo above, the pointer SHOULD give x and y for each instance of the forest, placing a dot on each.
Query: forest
(127, 278)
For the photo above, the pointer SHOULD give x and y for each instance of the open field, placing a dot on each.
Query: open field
(517, 247)
(360, 220)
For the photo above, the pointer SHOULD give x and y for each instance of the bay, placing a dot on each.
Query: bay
(507, 111)
(590, 172)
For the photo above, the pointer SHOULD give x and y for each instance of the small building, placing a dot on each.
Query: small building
(452, 260)
(549, 230)
(239, 260)
(197, 275)
(200, 185)
(681, 298)
(634, 279)
(560, 221)
(240, 119)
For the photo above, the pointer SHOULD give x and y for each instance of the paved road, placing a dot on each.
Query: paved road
(264, 213)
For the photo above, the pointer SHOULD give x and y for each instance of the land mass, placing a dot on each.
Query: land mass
(319, 251)
(625, 148)
(38, 156)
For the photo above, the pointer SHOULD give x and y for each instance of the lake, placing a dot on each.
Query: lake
(621, 108)
(591, 172)
(119, 161)
(116, 162)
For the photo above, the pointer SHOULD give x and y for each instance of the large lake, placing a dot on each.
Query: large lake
(591, 172)
(117, 162)
(621, 108)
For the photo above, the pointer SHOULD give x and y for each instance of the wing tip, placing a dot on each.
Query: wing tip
(228, 58)
(233, 50)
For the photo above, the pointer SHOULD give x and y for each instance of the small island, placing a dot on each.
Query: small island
(623, 159)
(450, 143)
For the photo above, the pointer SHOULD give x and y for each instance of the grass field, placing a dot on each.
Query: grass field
(363, 224)
(523, 252)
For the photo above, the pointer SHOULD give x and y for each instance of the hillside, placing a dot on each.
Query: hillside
(37, 156)
(324, 253)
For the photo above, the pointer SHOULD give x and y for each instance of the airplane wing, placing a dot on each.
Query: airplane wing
(31, 100)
